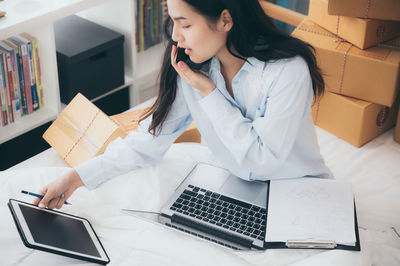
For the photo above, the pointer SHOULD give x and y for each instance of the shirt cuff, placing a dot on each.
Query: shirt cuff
(215, 105)
(90, 173)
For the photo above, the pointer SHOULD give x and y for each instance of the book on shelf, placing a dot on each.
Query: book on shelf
(36, 64)
(3, 95)
(26, 72)
(21, 91)
(150, 15)
(35, 98)
(12, 79)
(20, 75)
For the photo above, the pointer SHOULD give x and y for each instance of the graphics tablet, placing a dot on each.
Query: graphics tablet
(57, 232)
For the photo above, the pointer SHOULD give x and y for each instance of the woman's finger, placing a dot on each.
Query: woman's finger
(173, 55)
(60, 202)
(48, 197)
(43, 191)
(186, 73)
(174, 63)
(52, 203)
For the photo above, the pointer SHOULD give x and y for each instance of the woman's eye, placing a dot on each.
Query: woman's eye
(186, 27)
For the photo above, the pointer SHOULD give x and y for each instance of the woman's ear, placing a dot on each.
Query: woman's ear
(226, 20)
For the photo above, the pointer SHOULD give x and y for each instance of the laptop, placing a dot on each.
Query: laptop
(217, 206)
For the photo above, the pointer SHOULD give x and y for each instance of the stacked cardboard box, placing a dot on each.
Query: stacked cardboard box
(353, 120)
(361, 32)
(82, 131)
(397, 131)
(379, 9)
(362, 84)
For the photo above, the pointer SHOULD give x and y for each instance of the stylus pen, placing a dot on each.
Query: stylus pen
(40, 196)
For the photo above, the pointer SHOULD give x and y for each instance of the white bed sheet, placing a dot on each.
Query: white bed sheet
(374, 171)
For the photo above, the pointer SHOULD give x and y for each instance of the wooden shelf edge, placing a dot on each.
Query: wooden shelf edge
(282, 14)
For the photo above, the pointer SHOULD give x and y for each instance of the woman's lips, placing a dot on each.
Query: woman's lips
(187, 51)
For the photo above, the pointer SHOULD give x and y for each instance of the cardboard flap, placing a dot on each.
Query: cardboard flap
(129, 120)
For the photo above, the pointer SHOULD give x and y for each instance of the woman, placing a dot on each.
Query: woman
(250, 101)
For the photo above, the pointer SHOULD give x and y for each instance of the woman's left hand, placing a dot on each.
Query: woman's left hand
(196, 79)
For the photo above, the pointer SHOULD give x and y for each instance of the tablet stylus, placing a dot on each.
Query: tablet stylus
(39, 196)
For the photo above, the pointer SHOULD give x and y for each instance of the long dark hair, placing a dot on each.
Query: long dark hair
(253, 35)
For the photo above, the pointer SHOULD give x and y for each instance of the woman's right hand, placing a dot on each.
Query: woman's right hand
(65, 186)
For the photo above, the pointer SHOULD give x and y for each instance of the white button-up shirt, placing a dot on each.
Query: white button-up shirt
(264, 132)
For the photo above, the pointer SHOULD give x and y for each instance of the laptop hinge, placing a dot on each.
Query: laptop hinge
(212, 231)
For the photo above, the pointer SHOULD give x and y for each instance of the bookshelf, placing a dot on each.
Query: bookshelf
(36, 17)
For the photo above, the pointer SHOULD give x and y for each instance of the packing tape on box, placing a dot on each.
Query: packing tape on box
(82, 135)
(381, 118)
(379, 33)
(368, 5)
(367, 8)
(336, 39)
(346, 47)
(382, 55)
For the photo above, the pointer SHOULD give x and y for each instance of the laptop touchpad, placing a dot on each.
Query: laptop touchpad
(253, 192)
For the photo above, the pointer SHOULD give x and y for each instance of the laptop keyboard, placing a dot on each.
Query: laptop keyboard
(222, 211)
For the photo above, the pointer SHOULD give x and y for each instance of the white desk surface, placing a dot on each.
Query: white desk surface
(373, 170)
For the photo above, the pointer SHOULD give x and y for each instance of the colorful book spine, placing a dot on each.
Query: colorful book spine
(35, 97)
(154, 25)
(7, 89)
(150, 15)
(140, 25)
(37, 75)
(2, 94)
(21, 90)
(161, 21)
(15, 78)
(32, 79)
(10, 88)
(153, 22)
(147, 24)
(27, 80)
(38, 71)
(20, 72)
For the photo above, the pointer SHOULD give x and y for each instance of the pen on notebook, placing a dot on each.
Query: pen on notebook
(41, 196)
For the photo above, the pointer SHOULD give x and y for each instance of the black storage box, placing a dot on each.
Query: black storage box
(90, 58)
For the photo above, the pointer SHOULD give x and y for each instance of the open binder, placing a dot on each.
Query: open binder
(334, 226)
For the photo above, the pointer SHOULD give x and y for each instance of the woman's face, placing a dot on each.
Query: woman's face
(201, 38)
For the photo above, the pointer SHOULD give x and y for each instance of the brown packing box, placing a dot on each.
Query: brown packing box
(353, 120)
(129, 121)
(81, 131)
(363, 33)
(371, 75)
(397, 130)
(376, 9)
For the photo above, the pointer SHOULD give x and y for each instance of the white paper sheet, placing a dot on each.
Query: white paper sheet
(311, 209)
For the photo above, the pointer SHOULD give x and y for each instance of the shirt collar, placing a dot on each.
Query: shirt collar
(252, 64)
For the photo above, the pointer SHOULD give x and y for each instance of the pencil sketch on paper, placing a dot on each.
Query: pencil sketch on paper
(310, 209)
